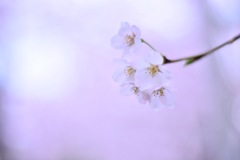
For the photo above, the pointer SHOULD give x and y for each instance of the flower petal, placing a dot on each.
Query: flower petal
(165, 72)
(137, 44)
(117, 42)
(126, 89)
(119, 75)
(140, 63)
(155, 103)
(167, 99)
(135, 30)
(125, 27)
(159, 80)
(143, 97)
(143, 80)
(154, 58)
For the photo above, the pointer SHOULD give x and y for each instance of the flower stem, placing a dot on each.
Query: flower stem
(192, 59)
(143, 41)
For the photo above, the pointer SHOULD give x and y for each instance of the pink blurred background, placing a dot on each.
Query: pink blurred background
(59, 102)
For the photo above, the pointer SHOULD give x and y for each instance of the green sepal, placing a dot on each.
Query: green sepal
(189, 61)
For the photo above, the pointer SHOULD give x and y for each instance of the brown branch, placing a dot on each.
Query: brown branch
(192, 59)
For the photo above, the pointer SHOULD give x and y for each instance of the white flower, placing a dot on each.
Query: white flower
(128, 39)
(131, 89)
(125, 72)
(150, 72)
(160, 97)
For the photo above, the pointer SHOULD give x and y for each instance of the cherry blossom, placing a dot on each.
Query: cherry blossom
(150, 72)
(143, 74)
(125, 72)
(127, 39)
(160, 97)
(130, 88)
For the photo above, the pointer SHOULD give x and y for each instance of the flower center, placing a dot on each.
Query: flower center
(153, 70)
(129, 71)
(129, 39)
(135, 90)
(159, 92)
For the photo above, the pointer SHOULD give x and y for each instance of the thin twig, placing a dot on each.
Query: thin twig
(192, 59)
(143, 41)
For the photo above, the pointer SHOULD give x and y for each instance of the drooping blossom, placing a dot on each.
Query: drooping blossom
(130, 88)
(160, 97)
(127, 39)
(150, 72)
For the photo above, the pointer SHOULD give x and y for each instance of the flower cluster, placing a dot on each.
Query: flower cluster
(142, 75)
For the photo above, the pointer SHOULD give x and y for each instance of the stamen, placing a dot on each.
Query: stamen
(159, 92)
(129, 71)
(153, 70)
(129, 39)
(135, 90)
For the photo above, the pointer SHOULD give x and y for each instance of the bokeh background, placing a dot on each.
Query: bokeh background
(59, 102)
